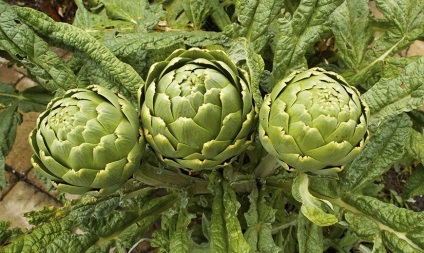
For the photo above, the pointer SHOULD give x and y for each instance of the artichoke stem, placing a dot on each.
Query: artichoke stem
(267, 167)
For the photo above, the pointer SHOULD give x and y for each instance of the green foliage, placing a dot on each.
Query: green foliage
(252, 204)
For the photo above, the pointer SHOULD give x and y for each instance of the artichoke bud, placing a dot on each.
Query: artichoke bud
(88, 141)
(197, 110)
(313, 121)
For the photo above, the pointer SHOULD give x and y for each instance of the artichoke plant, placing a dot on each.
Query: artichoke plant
(313, 120)
(88, 141)
(197, 110)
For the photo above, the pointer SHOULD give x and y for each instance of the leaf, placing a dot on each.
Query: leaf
(197, 11)
(218, 15)
(385, 147)
(225, 230)
(10, 119)
(309, 235)
(127, 16)
(298, 33)
(318, 211)
(242, 50)
(399, 228)
(180, 240)
(142, 50)
(253, 18)
(350, 24)
(390, 97)
(403, 24)
(414, 185)
(25, 46)
(32, 99)
(415, 147)
(103, 223)
(260, 218)
(72, 37)
(99, 24)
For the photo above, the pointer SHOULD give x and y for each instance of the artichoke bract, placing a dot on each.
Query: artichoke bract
(88, 141)
(313, 121)
(197, 110)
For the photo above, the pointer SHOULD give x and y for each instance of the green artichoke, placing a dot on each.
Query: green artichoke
(313, 120)
(88, 141)
(197, 110)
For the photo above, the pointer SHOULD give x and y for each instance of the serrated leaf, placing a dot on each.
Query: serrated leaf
(180, 240)
(318, 211)
(390, 97)
(97, 24)
(197, 11)
(384, 148)
(24, 45)
(403, 24)
(10, 119)
(363, 226)
(104, 223)
(309, 235)
(415, 147)
(396, 244)
(298, 33)
(127, 16)
(142, 50)
(226, 235)
(32, 99)
(260, 218)
(253, 19)
(399, 228)
(70, 36)
(242, 50)
(414, 185)
(218, 15)
(350, 24)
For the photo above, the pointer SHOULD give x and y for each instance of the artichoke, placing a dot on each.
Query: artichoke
(88, 141)
(197, 110)
(313, 121)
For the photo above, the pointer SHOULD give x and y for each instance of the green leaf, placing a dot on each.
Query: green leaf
(27, 47)
(399, 228)
(105, 223)
(142, 50)
(72, 37)
(242, 50)
(414, 185)
(298, 33)
(253, 18)
(218, 15)
(180, 240)
(390, 97)
(318, 211)
(415, 145)
(10, 119)
(197, 11)
(366, 229)
(402, 25)
(118, 16)
(309, 235)
(32, 99)
(350, 24)
(225, 230)
(385, 147)
(260, 218)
